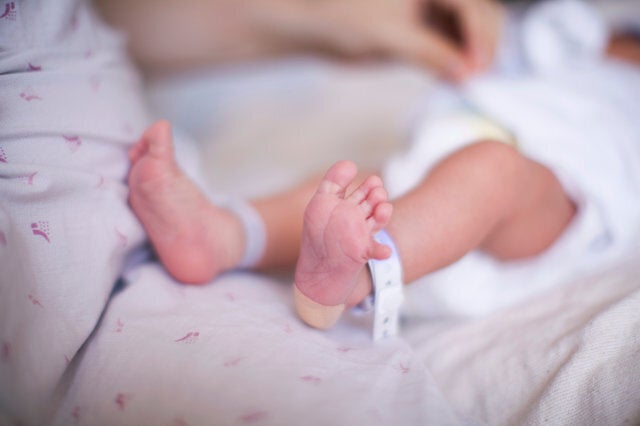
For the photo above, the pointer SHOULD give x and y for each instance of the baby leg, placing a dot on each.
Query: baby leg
(337, 242)
(485, 196)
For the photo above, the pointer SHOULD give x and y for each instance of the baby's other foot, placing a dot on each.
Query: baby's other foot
(337, 242)
(194, 239)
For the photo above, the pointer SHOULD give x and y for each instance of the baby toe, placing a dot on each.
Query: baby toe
(338, 178)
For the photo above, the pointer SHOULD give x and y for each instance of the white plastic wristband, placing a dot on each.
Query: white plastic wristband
(388, 290)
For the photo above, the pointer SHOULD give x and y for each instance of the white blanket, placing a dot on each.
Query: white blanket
(568, 356)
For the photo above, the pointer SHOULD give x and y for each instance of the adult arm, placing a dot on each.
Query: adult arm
(168, 34)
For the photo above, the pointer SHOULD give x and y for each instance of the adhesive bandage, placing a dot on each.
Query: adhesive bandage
(316, 314)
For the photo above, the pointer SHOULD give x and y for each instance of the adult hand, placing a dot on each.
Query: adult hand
(476, 28)
(454, 38)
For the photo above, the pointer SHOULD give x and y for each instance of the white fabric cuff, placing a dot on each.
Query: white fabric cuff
(254, 232)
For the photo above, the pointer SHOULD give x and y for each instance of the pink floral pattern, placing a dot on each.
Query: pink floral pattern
(9, 12)
(254, 416)
(35, 301)
(29, 94)
(41, 229)
(29, 178)
(5, 354)
(314, 380)
(73, 142)
(233, 362)
(119, 326)
(189, 338)
(123, 241)
(122, 400)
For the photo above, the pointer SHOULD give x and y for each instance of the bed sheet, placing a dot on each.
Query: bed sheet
(233, 352)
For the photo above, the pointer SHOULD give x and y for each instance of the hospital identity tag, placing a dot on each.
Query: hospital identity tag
(388, 290)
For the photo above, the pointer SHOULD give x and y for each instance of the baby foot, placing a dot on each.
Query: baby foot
(337, 242)
(194, 239)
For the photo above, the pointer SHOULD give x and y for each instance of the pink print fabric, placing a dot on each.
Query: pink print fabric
(233, 353)
(69, 108)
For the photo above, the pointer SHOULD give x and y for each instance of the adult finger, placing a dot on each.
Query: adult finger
(480, 22)
(428, 49)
